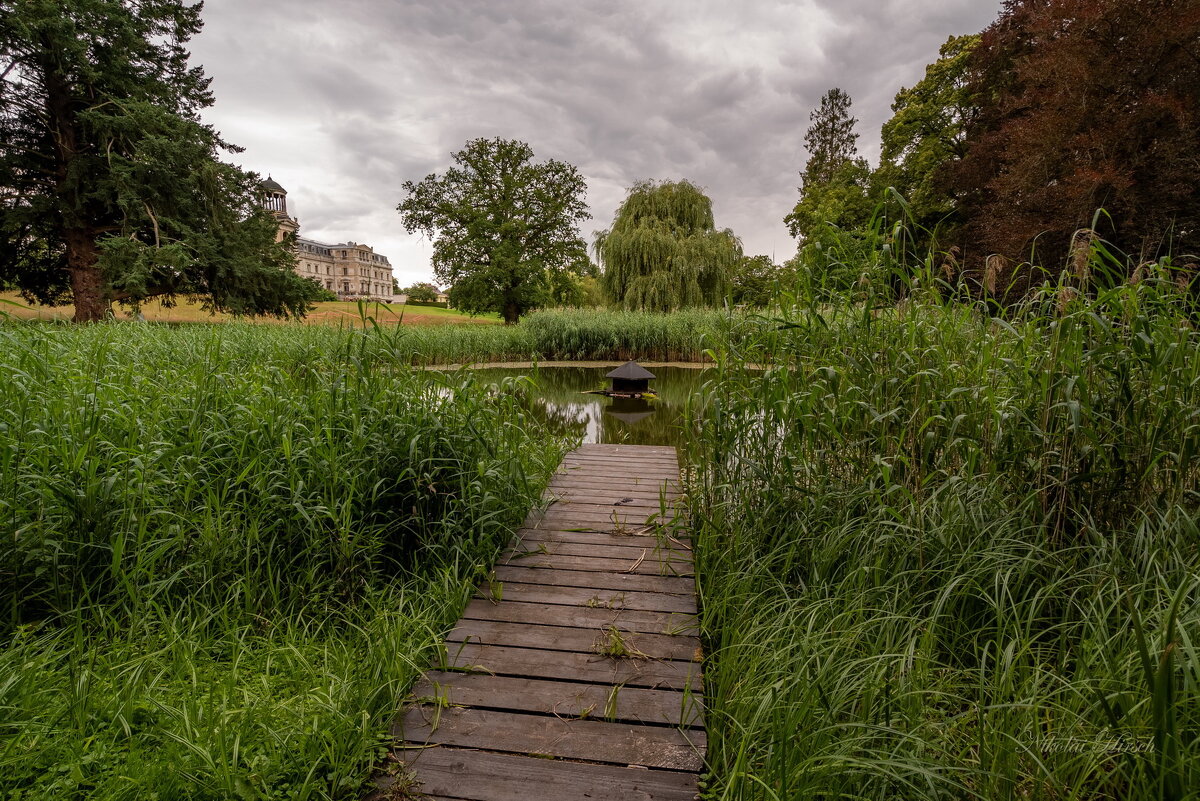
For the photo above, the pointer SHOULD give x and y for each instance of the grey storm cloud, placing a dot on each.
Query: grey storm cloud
(344, 102)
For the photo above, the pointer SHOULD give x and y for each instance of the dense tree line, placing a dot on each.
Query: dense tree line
(1015, 139)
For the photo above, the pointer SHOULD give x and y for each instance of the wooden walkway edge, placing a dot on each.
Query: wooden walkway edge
(575, 672)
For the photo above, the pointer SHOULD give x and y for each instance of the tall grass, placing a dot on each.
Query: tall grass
(226, 551)
(944, 555)
(576, 335)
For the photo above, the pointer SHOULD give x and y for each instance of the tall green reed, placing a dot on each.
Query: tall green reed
(570, 335)
(944, 554)
(226, 551)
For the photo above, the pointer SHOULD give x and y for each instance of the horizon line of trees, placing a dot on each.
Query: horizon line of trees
(996, 161)
(1061, 123)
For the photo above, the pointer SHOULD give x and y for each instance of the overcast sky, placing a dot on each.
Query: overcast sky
(343, 102)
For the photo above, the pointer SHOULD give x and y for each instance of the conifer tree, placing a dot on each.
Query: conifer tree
(111, 188)
(830, 140)
(835, 183)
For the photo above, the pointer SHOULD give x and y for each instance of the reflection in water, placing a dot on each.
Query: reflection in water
(560, 401)
(630, 411)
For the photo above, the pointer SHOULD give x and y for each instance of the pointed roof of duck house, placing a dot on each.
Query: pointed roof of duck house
(631, 371)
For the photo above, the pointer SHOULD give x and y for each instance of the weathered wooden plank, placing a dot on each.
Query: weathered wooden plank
(568, 498)
(615, 447)
(648, 492)
(629, 452)
(564, 699)
(563, 521)
(589, 598)
(567, 638)
(620, 467)
(653, 622)
(645, 470)
(611, 581)
(604, 512)
(482, 776)
(593, 536)
(619, 488)
(619, 520)
(624, 486)
(629, 456)
(611, 550)
(593, 479)
(639, 476)
(666, 511)
(595, 741)
(536, 663)
(643, 563)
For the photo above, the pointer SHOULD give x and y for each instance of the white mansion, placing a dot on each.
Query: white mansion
(351, 270)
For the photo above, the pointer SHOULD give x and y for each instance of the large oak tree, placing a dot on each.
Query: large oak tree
(503, 226)
(111, 188)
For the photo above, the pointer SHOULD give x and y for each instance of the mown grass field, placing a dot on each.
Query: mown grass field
(334, 313)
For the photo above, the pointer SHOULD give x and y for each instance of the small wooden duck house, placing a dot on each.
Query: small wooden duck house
(630, 379)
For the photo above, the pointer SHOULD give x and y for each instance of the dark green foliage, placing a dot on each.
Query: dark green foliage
(664, 252)
(503, 227)
(834, 185)
(110, 186)
(830, 139)
(757, 280)
(927, 133)
(421, 292)
(842, 203)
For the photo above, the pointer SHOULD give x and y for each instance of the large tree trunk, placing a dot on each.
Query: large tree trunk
(511, 312)
(87, 284)
(83, 257)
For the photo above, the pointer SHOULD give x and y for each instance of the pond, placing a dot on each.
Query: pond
(560, 401)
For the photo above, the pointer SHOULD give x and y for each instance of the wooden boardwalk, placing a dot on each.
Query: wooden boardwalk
(575, 672)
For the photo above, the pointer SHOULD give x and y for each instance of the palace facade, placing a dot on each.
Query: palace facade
(351, 270)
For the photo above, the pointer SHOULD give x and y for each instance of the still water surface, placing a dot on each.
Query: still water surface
(561, 401)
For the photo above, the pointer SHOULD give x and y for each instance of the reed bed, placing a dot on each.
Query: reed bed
(226, 551)
(579, 335)
(946, 555)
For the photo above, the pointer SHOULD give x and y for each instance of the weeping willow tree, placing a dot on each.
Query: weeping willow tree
(663, 251)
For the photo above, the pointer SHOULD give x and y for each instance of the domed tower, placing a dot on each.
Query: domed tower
(275, 201)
